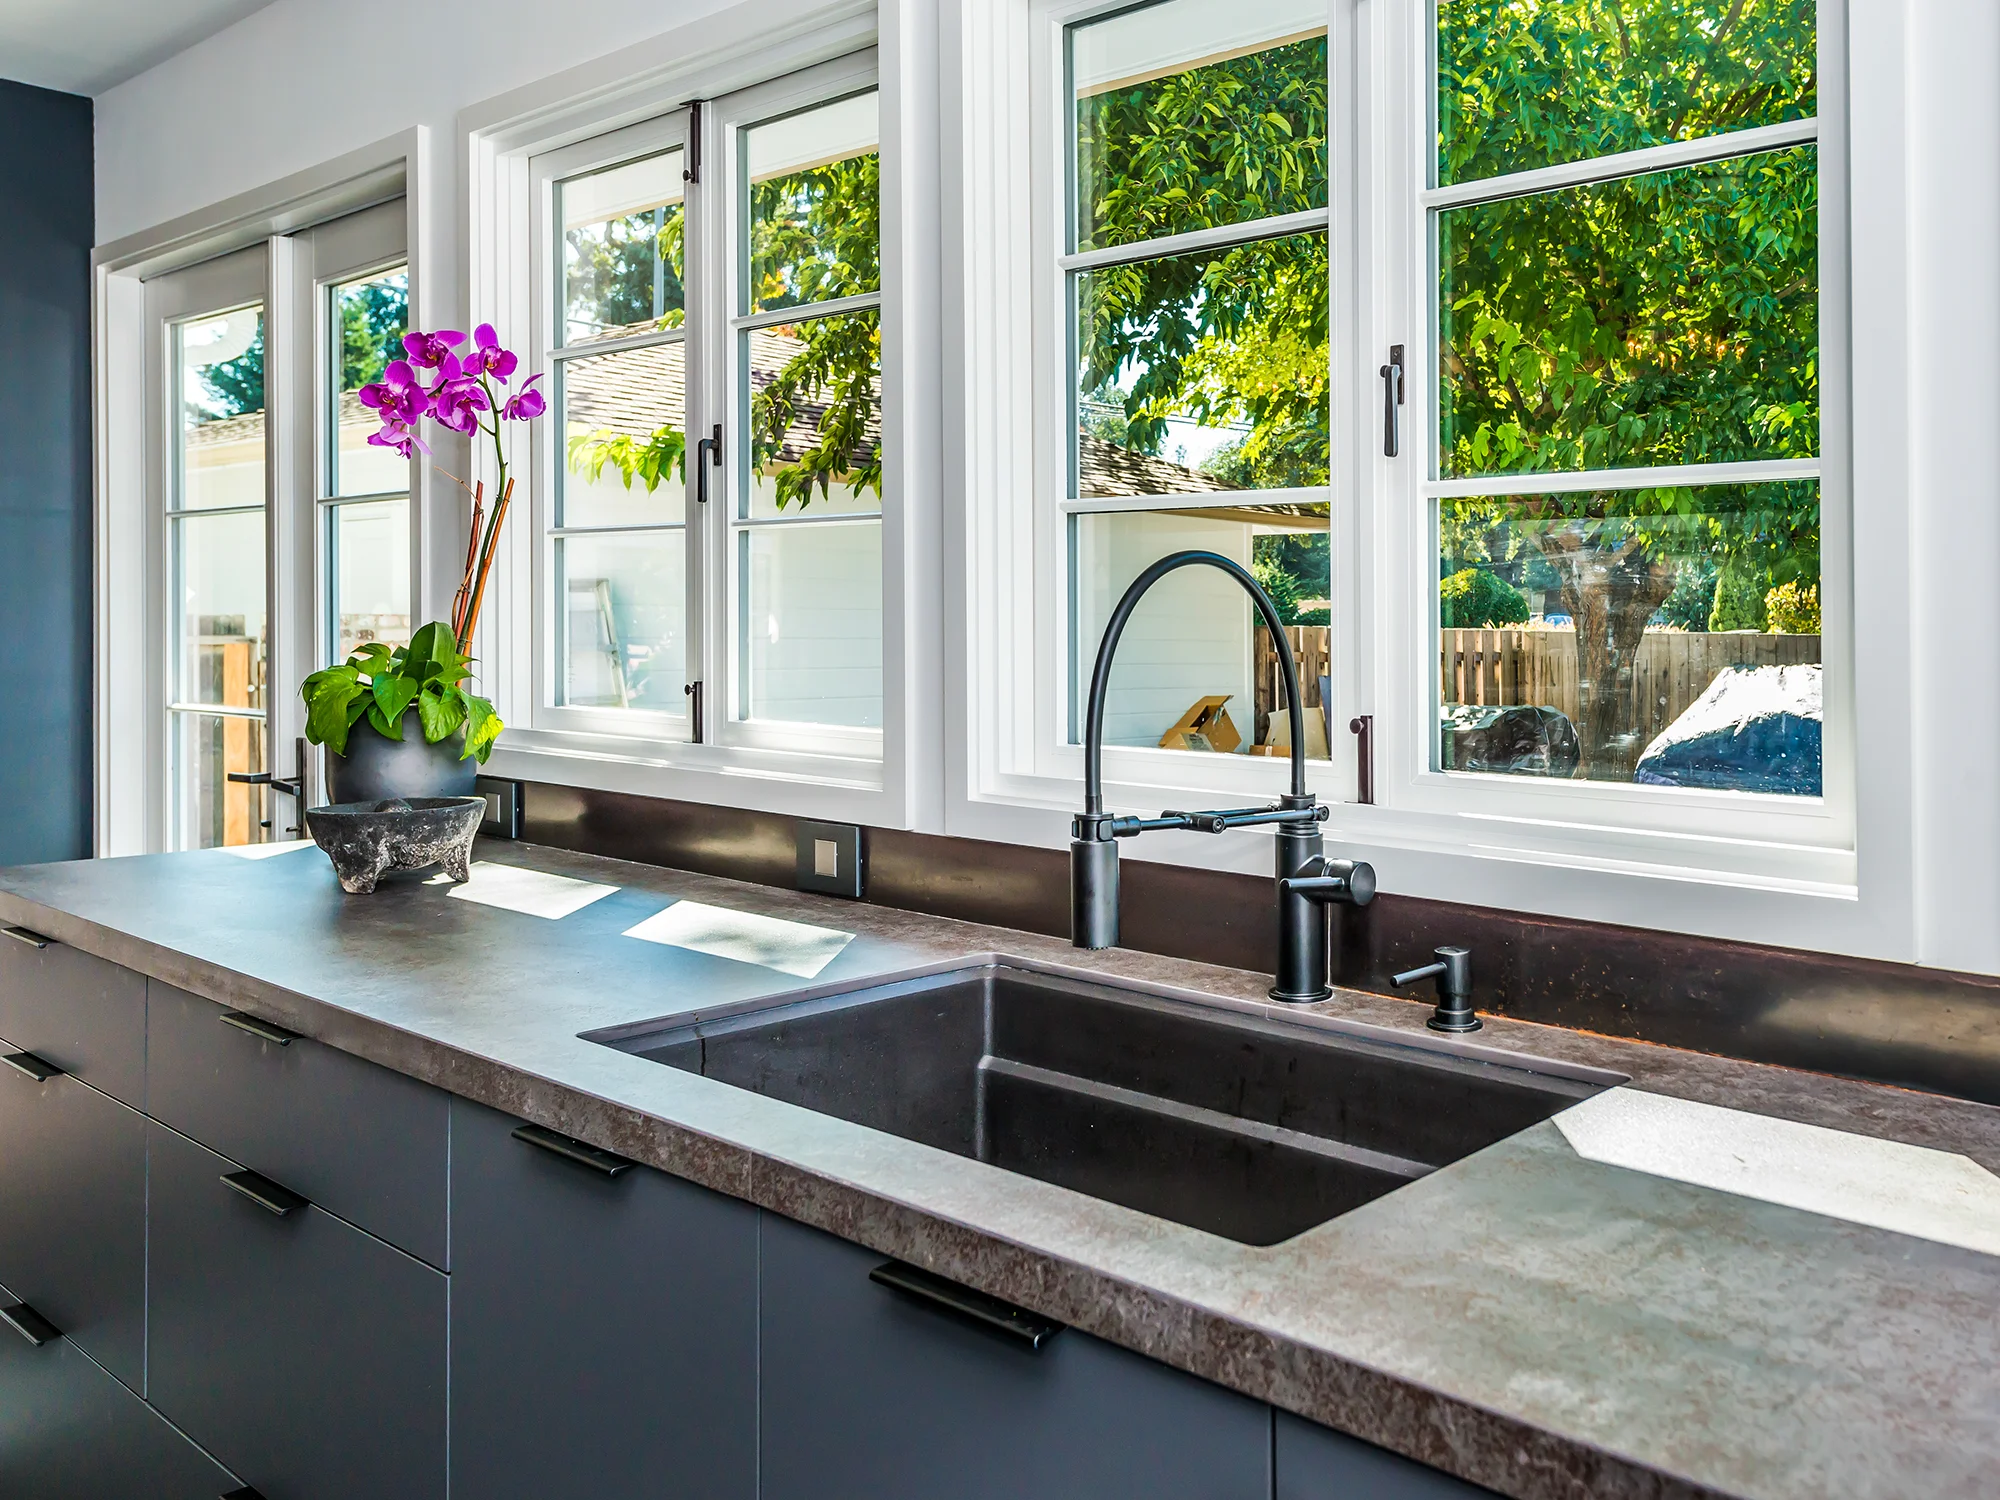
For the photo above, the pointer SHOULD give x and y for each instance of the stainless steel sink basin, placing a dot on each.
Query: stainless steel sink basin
(1229, 1121)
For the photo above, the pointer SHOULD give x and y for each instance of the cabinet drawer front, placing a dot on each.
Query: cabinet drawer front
(67, 1430)
(869, 1394)
(585, 1305)
(86, 1016)
(305, 1355)
(1316, 1463)
(73, 1215)
(360, 1141)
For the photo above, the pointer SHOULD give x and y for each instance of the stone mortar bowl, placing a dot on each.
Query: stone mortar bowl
(363, 839)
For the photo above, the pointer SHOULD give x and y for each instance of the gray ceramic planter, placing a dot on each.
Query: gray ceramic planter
(376, 768)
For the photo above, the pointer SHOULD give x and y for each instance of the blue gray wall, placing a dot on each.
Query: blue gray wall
(46, 220)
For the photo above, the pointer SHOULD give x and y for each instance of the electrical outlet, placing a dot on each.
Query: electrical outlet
(503, 807)
(830, 859)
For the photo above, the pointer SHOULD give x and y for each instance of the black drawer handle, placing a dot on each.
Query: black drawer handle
(1031, 1328)
(246, 1493)
(22, 935)
(264, 1031)
(609, 1163)
(38, 1068)
(30, 1324)
(263, 1192)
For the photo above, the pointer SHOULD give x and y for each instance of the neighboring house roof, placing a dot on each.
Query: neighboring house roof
(1105, 469)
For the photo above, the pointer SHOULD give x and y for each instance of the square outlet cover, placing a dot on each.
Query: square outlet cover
(830, 859)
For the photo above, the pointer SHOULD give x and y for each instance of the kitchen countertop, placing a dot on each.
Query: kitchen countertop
(1526, 1318)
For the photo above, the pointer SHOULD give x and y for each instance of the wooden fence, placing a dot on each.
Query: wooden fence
(1538, 666)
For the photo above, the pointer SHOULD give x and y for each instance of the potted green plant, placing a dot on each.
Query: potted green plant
(401, 721)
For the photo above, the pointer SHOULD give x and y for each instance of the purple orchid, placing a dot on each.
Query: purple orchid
(399, 435)
(429, 350)
(487, 357)
(457, 400)
(397, 396)
(526, 404)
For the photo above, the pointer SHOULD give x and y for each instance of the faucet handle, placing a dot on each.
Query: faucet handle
(1453, 972)
(1350, 881)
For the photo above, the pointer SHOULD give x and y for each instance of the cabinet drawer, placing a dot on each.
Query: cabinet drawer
(1316, 1463)
(73, 1214)
(68, 1430)
(86, 1016)
(360, 1141)
(307, 1356)
(585, 1306)
(869, 1394)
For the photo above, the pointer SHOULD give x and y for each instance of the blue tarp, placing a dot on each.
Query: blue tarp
(1756, 729)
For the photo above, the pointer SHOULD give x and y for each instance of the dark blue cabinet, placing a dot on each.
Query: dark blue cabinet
(69, 1431)
(73, 1213)
(603, 1328)
(1315, 1463)
(307, 1356)
(85, 1015)
(869, 1394)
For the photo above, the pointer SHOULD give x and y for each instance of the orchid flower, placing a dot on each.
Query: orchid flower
(526, 404)
(487, 357)
(399, 435)
(397, 396)
(457, 400)
(429, 350)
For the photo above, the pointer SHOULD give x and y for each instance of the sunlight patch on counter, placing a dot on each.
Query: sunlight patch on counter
(769, 942)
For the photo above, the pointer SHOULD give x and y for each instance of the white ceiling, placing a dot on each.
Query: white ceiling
(87, 46)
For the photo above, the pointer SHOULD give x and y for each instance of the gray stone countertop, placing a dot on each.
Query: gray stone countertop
(1530, 1320)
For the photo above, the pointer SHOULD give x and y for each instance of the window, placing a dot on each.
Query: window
(713, 532)
(1626, 494)
(1197, 320)
(365, 499)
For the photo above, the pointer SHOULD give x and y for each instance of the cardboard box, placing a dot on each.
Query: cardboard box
(1278, 738)
(1205, 726)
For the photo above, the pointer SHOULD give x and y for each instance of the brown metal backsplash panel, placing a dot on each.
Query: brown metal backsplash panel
(1894, 1023)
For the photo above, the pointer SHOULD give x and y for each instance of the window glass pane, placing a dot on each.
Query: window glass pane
(212, 811)
(1669, 637)
(219, 365)
(1666, 319)
(219, 568)
(1206, 372)
(370, 561)
(1196, 636)
(815, 391)
(625, 460)
(369, 318)
(815, 205)
(624, 250)
(810, 597)
(1194, 113)
(1531, 83)
(624, 620)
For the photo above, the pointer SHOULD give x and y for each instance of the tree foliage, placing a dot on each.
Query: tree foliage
(373, 316)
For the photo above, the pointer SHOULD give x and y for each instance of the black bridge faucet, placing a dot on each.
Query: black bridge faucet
(1307, 880)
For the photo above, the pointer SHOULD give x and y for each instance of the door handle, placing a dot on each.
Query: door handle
(1018, 1323)
(22, 935)
(37, 1068)
(30, 1324)
(265, 1193)
(264, 1031)
(1392, 397)
(707, 455)
(604, 1163)
(293, 787)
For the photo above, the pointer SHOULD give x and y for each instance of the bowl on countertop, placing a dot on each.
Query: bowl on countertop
(365, 840)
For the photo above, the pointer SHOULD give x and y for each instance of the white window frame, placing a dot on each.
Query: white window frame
(748, 46)
(1763, 868)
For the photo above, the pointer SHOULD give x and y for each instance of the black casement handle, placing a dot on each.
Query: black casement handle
(604, 1163)
(30, 1324)
(265, 1193)
(1392, 397)
(38, 1068)
(22, 935)
(264, 1031)
(707, 455)
(1028, 1328)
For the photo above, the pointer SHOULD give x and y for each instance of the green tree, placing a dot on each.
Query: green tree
(1475, 599)
(235, 387)
(374, 316)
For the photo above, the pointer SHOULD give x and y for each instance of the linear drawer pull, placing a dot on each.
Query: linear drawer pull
(22, 935)
(38, 1068)
(246, 1493)
(1030, 1328)
(30, 1324)
(263, 1192)
(264, 1031)
(609, 1163)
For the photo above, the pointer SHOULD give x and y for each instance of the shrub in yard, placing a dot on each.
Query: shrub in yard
(1474, 599)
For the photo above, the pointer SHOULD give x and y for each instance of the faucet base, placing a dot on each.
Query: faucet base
(1325, 992)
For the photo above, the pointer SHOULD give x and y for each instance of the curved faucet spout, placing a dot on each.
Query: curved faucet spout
(1100, 676)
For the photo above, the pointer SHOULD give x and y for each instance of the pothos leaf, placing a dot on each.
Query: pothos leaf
(440, 712)
(482, 728)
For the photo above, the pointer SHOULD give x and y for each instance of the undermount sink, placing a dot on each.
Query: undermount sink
(1244, 1125)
